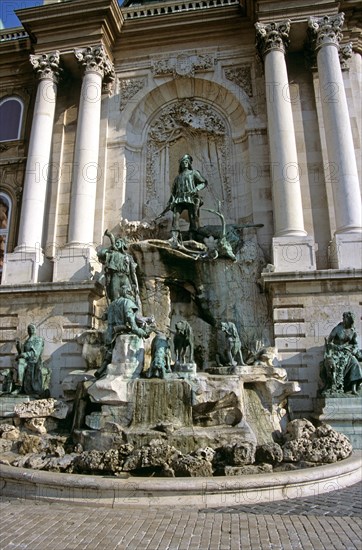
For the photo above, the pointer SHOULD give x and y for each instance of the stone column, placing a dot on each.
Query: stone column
(346, 247)
(28, 264)
(78, 258)
(292, 248)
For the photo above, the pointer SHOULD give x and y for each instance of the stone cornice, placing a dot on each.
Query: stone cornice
(67, 25)
(157, 9)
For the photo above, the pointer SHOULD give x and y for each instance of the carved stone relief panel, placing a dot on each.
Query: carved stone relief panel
(241, 76)
(129, 88)
(182, 64)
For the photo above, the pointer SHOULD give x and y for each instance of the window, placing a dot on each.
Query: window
(5, 213)
(11, 113)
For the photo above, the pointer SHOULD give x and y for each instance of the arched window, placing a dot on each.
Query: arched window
(11, 114)
(5, 214)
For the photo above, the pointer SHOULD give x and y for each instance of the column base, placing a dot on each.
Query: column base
(76, 263)
(26, 266)
(294, 254)
(345, 251)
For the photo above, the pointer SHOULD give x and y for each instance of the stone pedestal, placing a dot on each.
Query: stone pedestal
(294, 253)
(76, 263)
(345, 251)
(344, 414)
(127, 364)
(185, 370)
(26, 266)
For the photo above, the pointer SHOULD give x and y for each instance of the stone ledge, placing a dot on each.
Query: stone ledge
(198, 493)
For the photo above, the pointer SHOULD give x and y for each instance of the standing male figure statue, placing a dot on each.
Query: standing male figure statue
(33, 376)
(184, 196)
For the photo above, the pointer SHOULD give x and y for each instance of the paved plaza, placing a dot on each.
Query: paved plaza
(330, 521)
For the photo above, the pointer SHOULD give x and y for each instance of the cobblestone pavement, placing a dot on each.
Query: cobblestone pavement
(331, 521)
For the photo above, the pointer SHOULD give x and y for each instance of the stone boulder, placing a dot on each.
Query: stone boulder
(300, 427)
(8, 431)
(154, 455)
(270, 453)
(237, 454)
(323, 445)
(192, 466)
(249, 469)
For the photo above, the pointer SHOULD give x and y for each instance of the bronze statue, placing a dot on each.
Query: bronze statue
(160, 357)
(231, 346)
(341, 370)
(32, 375)
(184, 196)
(183, 342)
(122, 318)
(119, 268)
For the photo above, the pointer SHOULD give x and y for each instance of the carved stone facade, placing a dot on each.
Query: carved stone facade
(275, 139)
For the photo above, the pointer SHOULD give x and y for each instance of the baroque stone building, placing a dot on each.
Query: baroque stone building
(101, 101)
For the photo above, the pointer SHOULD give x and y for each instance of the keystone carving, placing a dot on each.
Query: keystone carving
(182, 65)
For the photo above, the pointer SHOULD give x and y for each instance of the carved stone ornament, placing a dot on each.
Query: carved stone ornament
(94, 59)
(241, 76)
(272, 36)
(128, 88)
(326, 30)
(182, 65)
(345, 53)
(47, 65)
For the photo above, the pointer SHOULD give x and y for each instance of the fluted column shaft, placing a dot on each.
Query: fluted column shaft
(36, 172)
(96, 66)
(288, 211)
(326, 35)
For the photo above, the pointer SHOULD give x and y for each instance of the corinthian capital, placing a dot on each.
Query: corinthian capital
(272, 36)
(326, 30)
(94, 59)
(46, 66)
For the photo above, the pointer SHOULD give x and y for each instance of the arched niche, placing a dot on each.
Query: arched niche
(197, 116)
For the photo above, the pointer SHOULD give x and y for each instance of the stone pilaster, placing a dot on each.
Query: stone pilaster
(292, 248)
(346, 247)
(78, 257)
(27, 264)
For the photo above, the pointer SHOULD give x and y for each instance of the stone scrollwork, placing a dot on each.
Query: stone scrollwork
(182, 65)
(129, 88)
(95, 59)
(240, 76)
(46, 66)
(272, 36)
(186, 113)
(326, 30)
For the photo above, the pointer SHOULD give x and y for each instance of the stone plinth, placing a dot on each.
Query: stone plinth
(345, 251)
(185, 370)
(127, 357)
(344, 414)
